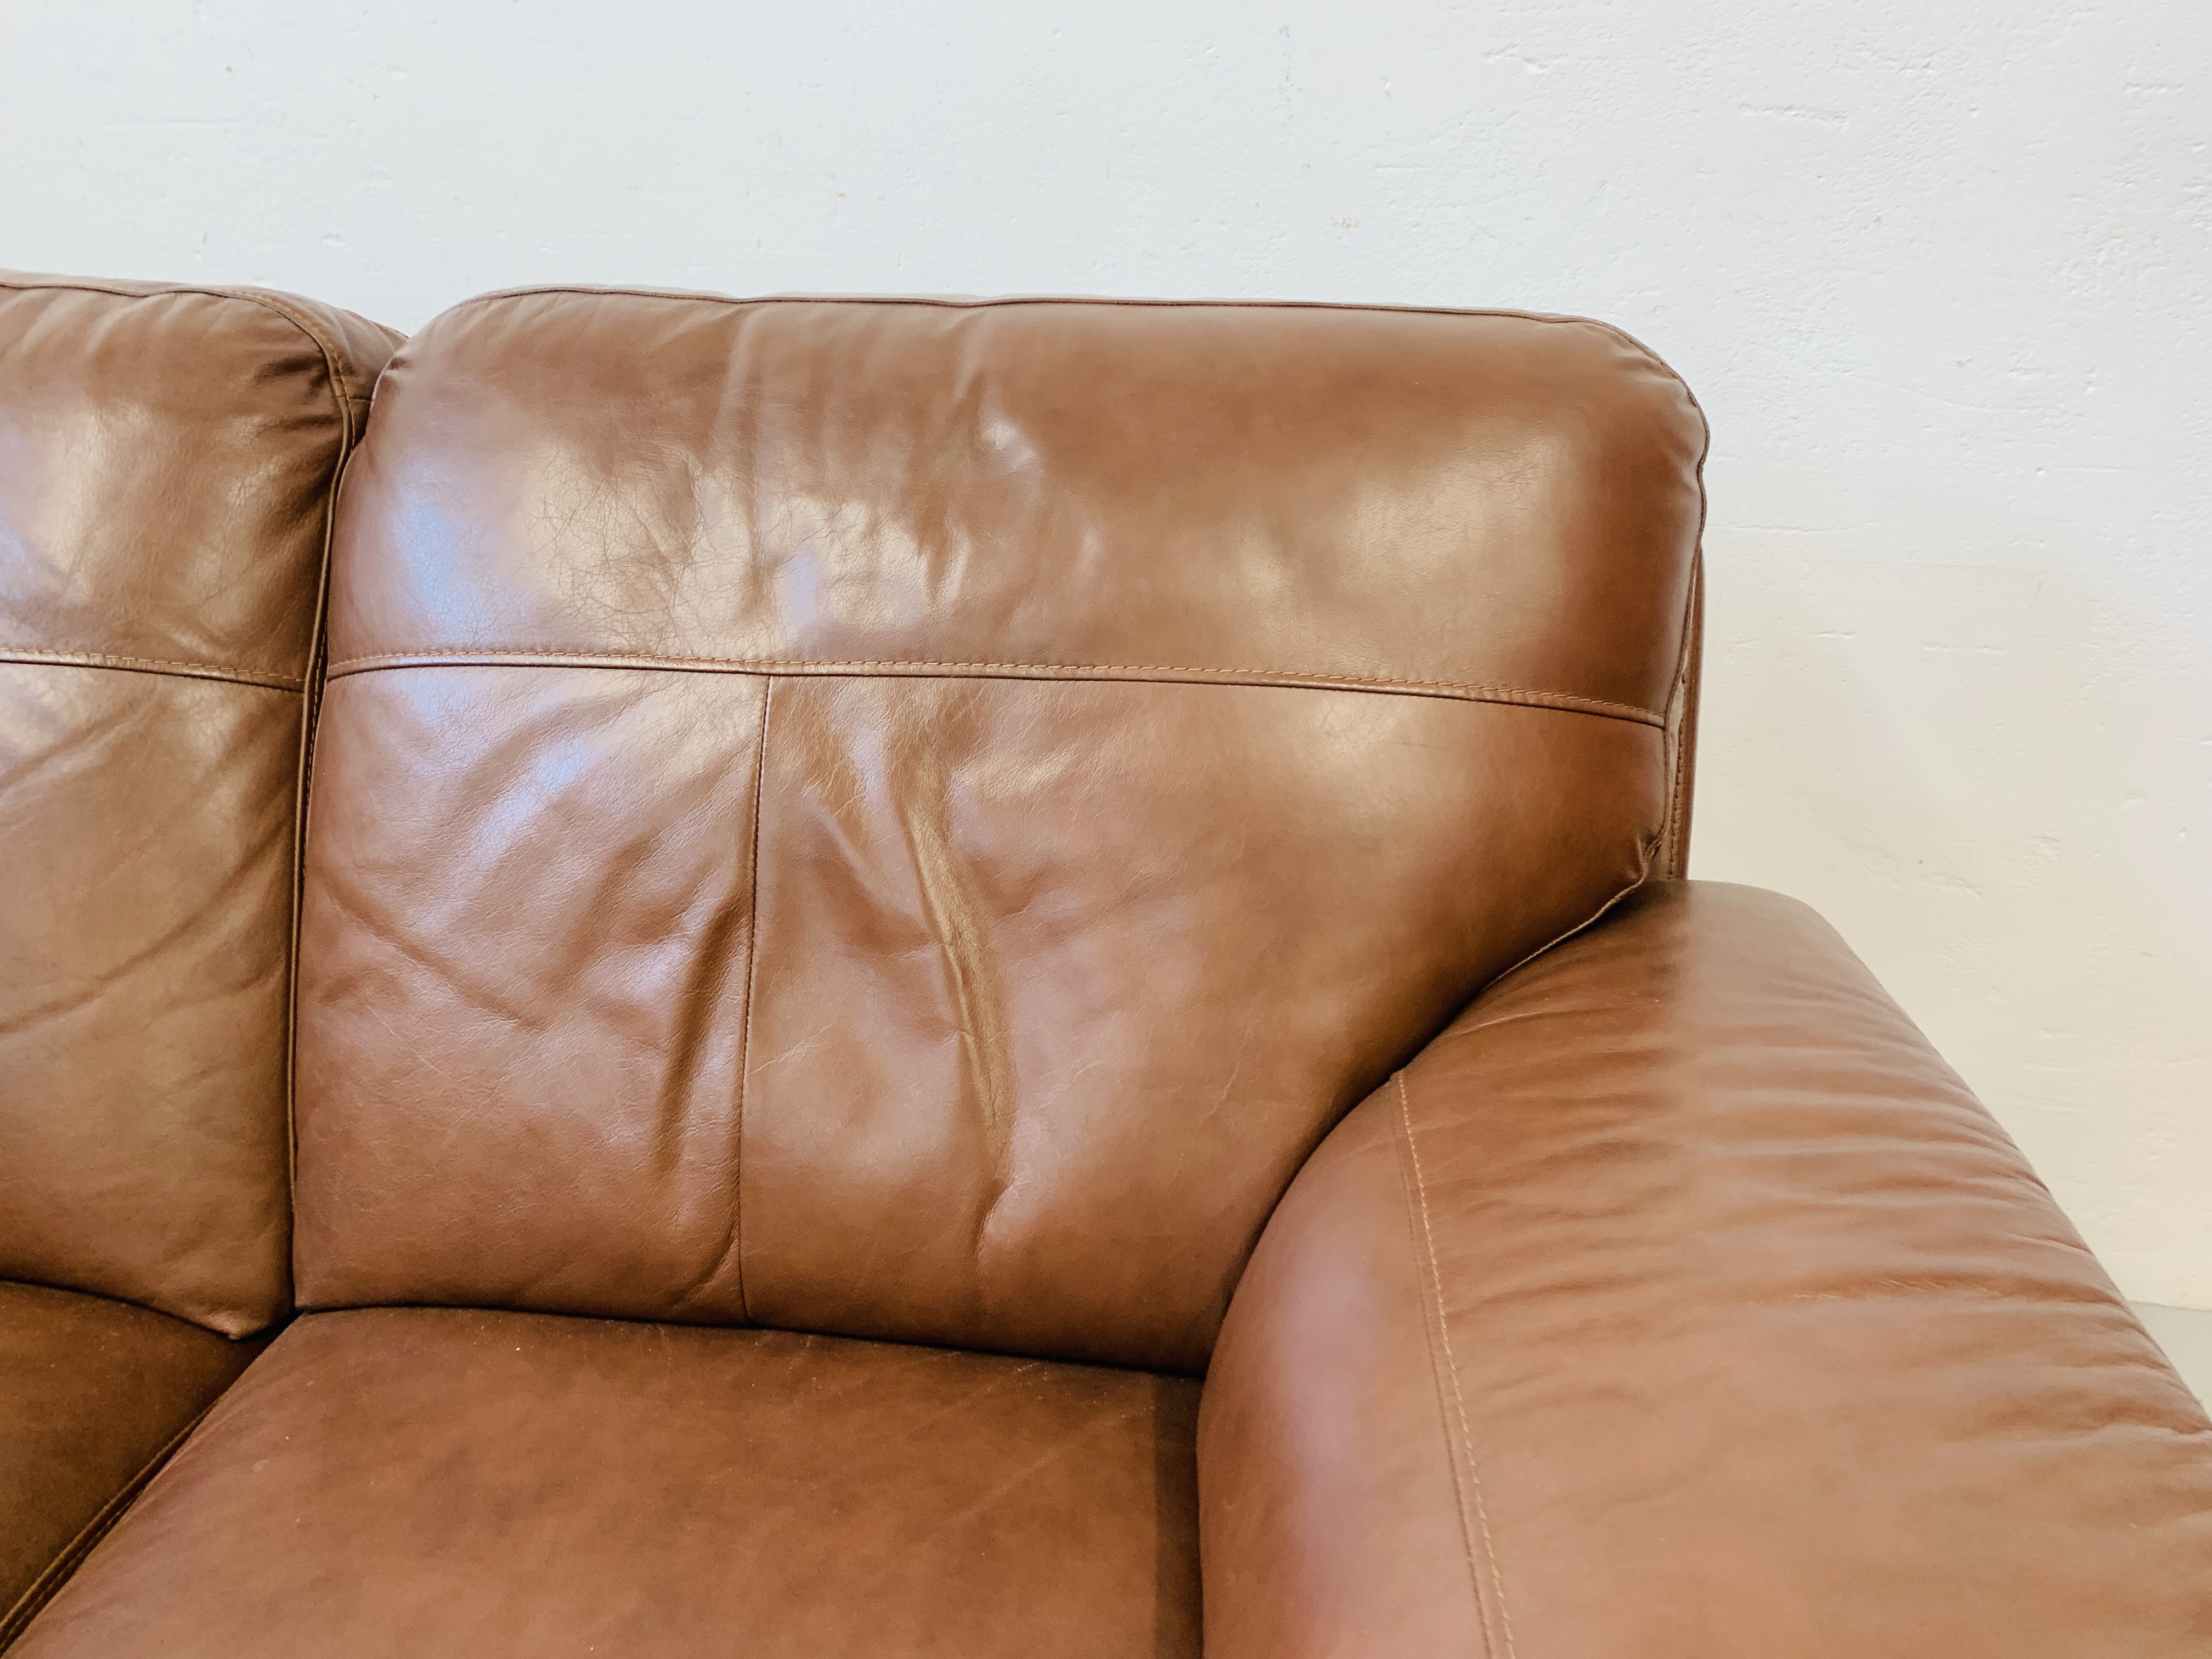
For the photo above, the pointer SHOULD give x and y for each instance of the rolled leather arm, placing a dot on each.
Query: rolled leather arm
(1679, 1302)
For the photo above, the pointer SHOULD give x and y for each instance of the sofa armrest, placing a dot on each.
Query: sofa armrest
(1678, 1302)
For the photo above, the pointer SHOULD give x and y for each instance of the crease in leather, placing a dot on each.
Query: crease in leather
(656, 503)
(1071, 1455)
(480, 995)
(109, 725)
(354, 426)
(189, 671)
(1445, 1029)
(1681, 714)
(1511, 696)
(41, 1589)
(922, 796)
(263, 297)
(1689, 673)
(1674, 858)
(723, 940)
(733, 1243)
(338, 374)
(241, 870)
(1647, 857)
(1175, 1511)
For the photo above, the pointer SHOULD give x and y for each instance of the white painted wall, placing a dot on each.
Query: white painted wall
(1940, 273)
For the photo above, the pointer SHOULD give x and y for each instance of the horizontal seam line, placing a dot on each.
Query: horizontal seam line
(1563, 701)
(188, 671)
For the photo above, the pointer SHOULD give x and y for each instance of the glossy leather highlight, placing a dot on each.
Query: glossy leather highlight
(167, 460)
(962, 823)
(429, 1482)
(817, 800)
(1679, 1302)
(172, 453)
(1469, 503)
(1059, 984)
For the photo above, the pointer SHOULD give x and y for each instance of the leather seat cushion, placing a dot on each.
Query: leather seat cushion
(425, 1481)
(91, 1393)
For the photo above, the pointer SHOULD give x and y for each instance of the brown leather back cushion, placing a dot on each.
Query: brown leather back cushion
(167, 461)
(911, 819)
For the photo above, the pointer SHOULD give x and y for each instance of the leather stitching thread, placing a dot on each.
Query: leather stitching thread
(490, 656)
(192, 671)
(752, 978)
(353, 416)
(1690, 670)
(1459, 1399)
(1680, 716)
(352, 409)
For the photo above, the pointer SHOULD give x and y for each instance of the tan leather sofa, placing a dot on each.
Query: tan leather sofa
(967, 979)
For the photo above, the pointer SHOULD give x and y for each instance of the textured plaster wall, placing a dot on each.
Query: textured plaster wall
(1939, 272)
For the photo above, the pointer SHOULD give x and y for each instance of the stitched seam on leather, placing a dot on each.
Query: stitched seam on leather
(185, 670)
(493, 656)
(1677, 708)
(752, 978)
(268, 300)
(1443, 1332)
(1456, 1031)
(55, 1573)
(1693, 657)
(352, 424)
(1682, 753)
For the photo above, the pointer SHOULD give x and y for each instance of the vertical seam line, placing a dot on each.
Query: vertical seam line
(1682, 753)
(1459, 1400)
(1691, 667)
(752, 977)
(350, 433)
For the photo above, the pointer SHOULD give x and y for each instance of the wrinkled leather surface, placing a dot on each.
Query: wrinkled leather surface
(166, 467)
(423, 1483)
(912, 819)
(1451, 500)
(166, 462)
(1683, 1304)
(91, 1393)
